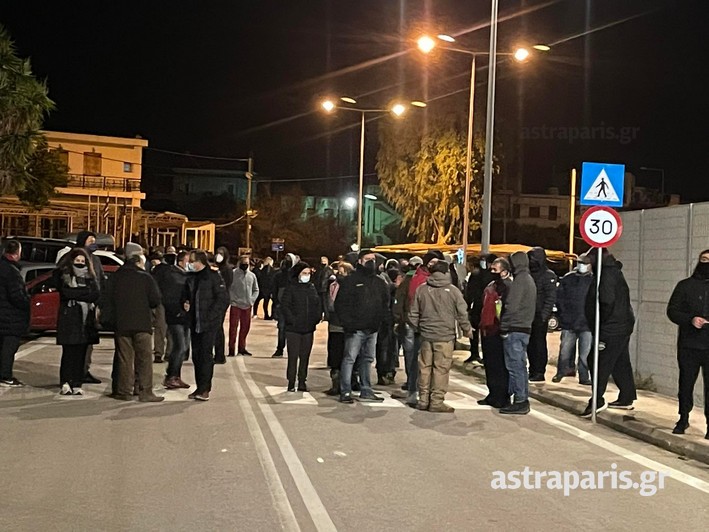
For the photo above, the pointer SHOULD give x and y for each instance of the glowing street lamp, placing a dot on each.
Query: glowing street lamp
(398, 109)
(426, 44)
(521, 54)
(328, 105)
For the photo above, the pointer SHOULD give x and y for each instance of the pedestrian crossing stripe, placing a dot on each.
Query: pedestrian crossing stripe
(282, 396)
(602, 189)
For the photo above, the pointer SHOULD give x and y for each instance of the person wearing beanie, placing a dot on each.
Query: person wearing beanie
(243, 294)
(302, 311)
(280, 281)
(546, 283)
(480, 278)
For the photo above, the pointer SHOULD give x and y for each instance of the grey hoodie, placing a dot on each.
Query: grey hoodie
(436, 308)
(520, 305)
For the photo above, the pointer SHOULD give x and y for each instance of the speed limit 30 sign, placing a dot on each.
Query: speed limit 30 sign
(601, 227)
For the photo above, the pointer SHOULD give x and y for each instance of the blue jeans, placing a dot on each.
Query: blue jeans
(178, 335)
(515, 345)
(362, 345)
(567, 353)
(411, 345)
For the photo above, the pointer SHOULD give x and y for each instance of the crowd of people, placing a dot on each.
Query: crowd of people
(166, 304)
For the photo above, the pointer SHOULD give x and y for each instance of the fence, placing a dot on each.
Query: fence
(658, 248)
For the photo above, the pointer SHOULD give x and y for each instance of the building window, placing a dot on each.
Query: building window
(515, 211)
(63, 156)
(534, 212)
(92, 163)
(553, 212)
(127, 167)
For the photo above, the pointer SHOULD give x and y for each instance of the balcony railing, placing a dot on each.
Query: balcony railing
(104, 183)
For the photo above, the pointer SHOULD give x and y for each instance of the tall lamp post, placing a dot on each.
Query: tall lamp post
(427, 44)
(397, 109)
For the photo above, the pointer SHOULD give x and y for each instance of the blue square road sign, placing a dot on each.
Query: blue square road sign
(602, 184)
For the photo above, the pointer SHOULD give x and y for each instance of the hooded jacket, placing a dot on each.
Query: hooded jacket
(617, 318)
(571, 301)
(402, 304)
(690, 299)
(545, 281)
(281, 278)
(225, 268)
(301, 307)
(129, 298)
(244, 288)
(436, 308)
(171, 283)
(14, 300)
(519, 307)
(362, 301)
(208, 297)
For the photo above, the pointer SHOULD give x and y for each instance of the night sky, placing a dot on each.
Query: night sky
(239, 77)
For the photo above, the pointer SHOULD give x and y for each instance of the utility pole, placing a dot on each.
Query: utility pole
(249, 176)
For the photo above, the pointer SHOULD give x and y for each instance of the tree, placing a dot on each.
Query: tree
(45, 172)
(422, 175)
(23, 103)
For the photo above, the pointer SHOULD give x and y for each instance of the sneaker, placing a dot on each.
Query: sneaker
(370, 398)
(302, 388)
(11, 383)
(621, 406)
(381, 381)
(90, 379)
(150, 398)
(520, 408)
(599, 408)
(157, 359)
(483, 402)
(346, 398)
(220, 360)
(66, 389)
(172, 383)
(291, 388)
(182, 384)
(399, 394)
(277, 354)
(77, 391)
(556, 378)
(231, 355)
(412, 399)
(193, 394)
(245, 353)
(204, 396)
(681, 426)
(537, 377)
(586, 383)
(419, 405)
(443, 408)
(121, 397)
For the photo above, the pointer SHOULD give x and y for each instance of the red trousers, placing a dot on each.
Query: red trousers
(239, 319)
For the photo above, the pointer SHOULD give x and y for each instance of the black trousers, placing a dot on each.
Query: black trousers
(335, 349)
(386, 349)
(690, 362)
(219, 345)
(202, 346)
(475, 344)
(614, 361)
(299, 347)
(8, 347)
(496, 372)
(281, 331)
(266, 298)
(537, 349)
(71, 369)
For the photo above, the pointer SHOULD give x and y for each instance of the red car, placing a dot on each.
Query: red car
(44, 304)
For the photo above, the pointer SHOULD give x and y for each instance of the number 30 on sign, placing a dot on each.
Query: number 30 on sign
(601, 227)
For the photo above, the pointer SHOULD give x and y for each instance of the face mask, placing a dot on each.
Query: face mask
(190, 267)
(92, 247)
(304, 278)
(703, 270)
(583, 268)
(370, 266)
(219, 257)
(80, 270)
(483, 264)
(496, 276)
(324, 263)
(244, 266)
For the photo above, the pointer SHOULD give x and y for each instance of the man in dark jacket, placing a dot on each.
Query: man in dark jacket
(689, 309)
(15, 312)
(616, 325)
(480, 278)
(87, 240)
(159, 268)
(518, 312)
(206, 299)
(128, 302)
(361, 305)
(545, 281)
(280, 282)
(265, 287)
(570, 304)
(321, 279)
(222, 259)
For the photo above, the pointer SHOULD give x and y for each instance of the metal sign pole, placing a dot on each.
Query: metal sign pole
(594, 398)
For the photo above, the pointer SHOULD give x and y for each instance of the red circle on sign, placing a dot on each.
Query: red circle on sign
(593, 240)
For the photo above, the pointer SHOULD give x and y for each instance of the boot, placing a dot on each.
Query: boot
(335, 386)
(381, 380)
(441, 407)
(413, 398)
(682, 425)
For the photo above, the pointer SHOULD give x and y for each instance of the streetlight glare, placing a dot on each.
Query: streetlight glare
(417, 103)
(347, 99)
(370, 197)
(521, 54)
(446, 38)
(541, 47)
(398, 109)
(328, 105)
(350, 203)
(426, 44)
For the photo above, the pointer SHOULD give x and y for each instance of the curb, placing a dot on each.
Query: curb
(641, 430)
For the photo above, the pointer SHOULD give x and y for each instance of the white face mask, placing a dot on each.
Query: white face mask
(583, 268)
(190, 267)
(305, 279)
(483, 264)
(219, 257)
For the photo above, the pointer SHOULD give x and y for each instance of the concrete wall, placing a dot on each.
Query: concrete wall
(658, 248)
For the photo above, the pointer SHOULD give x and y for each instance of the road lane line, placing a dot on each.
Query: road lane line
(689, 480)
(29, 350)
(316, 508)
(273, 480)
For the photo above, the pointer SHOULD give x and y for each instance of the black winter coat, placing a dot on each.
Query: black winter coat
(265, 280)
(617, 318)
(227, 274)
(571, 301)
(477, 282)
(301, 307)
(14, 300)
(280, 281)
(131, 293)
(172, 284)
(72, 327)
(545, 280)
(208, 298)
(690, 299)
(362, 301)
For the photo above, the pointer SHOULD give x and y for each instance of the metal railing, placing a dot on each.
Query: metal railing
(103, 182)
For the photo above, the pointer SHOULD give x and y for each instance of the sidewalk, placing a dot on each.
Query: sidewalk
(652, 420)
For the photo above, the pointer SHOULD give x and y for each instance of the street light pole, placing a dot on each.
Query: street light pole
(489, 129)
(249, 175)
(360, 199)
(469, 163)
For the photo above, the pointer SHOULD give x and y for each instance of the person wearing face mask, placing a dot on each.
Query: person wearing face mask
(302, 310)
(361, 305)
(170, 256)
(688, 308)
(480, 278)
(221, 259)
(265, 288)
(243, 293)
(335, 332)
(321, 278)
(575, 330)
(76, 322)
(546, 281)
(86, 240)
(496, 375)
(386, 340)
(280, 281)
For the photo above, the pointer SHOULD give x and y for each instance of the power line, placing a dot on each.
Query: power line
(296, 180)
(197, 156)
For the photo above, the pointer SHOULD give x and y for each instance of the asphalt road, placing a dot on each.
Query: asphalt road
(257, 458)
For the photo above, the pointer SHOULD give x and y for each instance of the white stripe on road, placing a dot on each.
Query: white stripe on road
(29, 350)
(280, 395)
(694, 482)
(275, 485)
(316, 509)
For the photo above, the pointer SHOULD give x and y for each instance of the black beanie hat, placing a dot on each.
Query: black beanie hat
(299, 268)
(432, 254)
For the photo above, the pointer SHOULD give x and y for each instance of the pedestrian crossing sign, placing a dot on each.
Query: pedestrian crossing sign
(602, 184)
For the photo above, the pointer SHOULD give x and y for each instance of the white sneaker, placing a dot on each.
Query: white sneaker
(66, 389)
(77, 391)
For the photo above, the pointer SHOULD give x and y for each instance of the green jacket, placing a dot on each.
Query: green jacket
(437, 306)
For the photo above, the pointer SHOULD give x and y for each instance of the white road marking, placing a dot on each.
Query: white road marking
(282, 396)
(689, 480)
(462, 401)
(29, 350)
(387, 403)
(275, 485)
(316, 509)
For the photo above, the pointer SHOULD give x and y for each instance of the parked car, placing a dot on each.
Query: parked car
(108, 258)
(36, 249)
(44, 300)
(31, 270)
